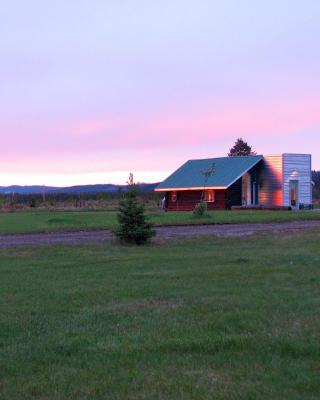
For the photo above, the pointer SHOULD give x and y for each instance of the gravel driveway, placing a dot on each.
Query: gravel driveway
(163, 233)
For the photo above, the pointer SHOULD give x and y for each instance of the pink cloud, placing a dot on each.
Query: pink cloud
(96, 144)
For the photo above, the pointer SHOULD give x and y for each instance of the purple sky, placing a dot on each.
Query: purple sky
(91, 90)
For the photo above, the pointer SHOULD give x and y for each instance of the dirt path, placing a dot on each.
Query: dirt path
(163, 233)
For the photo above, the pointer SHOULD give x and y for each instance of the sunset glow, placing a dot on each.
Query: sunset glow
(91, 91)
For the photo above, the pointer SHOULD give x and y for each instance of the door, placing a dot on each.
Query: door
(246, 190)
(294, 191)
(255, 194)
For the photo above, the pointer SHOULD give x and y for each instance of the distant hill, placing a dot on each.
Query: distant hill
(102, 188)
(25, 189)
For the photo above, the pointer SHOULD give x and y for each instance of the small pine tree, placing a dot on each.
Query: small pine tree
(241, 148)
(133, 224)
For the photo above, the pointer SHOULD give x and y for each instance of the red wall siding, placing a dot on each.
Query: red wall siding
(187, 200)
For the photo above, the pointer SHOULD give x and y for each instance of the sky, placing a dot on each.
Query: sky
(92, 90)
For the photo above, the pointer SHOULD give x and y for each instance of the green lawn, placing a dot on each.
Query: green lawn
(39, 221)
(201, 319)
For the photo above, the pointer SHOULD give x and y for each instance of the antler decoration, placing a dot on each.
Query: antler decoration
(209, 172)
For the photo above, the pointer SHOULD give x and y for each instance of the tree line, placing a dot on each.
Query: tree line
(316, 181)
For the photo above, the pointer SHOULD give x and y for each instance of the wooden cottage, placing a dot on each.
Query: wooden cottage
(279, 181)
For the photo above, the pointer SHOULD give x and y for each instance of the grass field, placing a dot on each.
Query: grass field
(201, 319)
(41, 221)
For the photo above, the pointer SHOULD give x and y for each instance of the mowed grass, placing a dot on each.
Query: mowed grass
(199, 319)
(44, 221)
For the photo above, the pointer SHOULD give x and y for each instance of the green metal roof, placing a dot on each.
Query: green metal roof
(226, 170)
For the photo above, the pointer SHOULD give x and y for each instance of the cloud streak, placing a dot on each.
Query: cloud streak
(192, 125)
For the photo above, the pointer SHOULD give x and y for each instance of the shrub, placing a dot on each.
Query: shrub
(33, 202)
(200, 209)
(133, 224)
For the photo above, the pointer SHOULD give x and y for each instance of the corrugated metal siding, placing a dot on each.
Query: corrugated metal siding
(297, 167)
(271, 188)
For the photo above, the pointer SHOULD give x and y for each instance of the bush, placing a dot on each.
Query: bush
(33, 202)
(200, 209)
(133, 225)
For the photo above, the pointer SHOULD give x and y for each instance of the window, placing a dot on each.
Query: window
(293, 197)
(293, 193)
(174, 196)
(209, 196)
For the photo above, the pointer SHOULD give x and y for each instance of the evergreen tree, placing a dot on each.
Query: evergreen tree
(316, 181)
(241, 148)
(133, 224)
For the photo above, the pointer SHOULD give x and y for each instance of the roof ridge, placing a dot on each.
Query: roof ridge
(226, 157)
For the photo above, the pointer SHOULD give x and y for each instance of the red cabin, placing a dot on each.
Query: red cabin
(243, 181)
